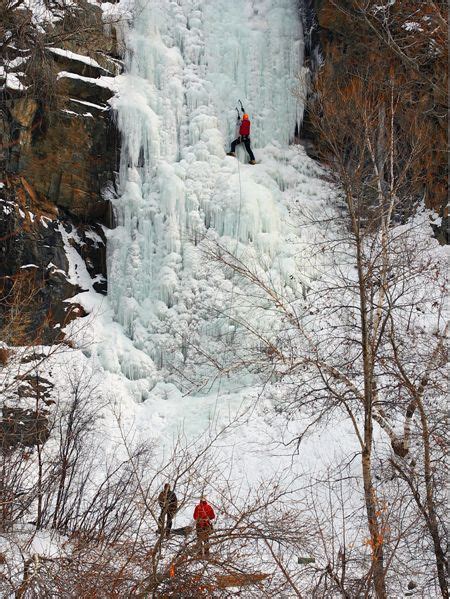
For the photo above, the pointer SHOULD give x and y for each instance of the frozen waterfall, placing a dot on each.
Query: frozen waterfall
(187, 64)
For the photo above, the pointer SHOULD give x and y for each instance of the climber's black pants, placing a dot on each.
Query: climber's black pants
(246, 141)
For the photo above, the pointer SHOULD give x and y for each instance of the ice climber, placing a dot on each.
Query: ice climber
(203, 516)
(244, 137)
(168, 503)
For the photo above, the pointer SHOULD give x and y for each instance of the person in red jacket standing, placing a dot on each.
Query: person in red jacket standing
(203, 516)
(244, 137)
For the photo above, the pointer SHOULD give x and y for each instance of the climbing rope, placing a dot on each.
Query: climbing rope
(237, 236)
(240, 206)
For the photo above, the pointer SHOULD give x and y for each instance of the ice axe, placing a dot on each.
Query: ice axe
(238, 115)
(242, 108)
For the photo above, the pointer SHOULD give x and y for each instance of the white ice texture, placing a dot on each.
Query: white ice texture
(188, 62)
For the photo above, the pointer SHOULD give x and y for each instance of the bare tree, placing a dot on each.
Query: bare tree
(101, 509)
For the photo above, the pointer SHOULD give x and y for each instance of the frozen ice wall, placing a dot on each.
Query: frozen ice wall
(254, 51)
(188, 62)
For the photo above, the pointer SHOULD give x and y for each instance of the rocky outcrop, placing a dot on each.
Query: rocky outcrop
(36, 238)
(58, 163)
(68, 156)
(25, 428)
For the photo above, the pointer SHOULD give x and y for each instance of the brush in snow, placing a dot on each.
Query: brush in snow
(239, 580)
(183, 531)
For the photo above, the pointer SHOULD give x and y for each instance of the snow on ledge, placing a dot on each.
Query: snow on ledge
(103, 81)
(90, 104)
(78, 57)
(88, 114)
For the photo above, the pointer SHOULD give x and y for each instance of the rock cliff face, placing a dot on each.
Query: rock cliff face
(339, 41)
(69, 158)
(58, 164)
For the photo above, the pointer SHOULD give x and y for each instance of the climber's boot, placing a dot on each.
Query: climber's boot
(231, 154)
(252, 161)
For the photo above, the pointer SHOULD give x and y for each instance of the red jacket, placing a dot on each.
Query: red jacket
(244, 129)
(204, 513)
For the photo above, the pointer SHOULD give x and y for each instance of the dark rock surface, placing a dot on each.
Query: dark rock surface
(20, 424)
(33, 253)
(68, 157)
(77, 65)
(21, 427)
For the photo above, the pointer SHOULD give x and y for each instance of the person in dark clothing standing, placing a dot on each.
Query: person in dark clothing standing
(203, 516)
(244, 137)
(168, 503)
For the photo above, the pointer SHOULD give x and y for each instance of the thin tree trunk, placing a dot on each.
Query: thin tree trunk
(376, 538)
(441, 562)
(3, 499)
(40, 492)
(429, 511)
